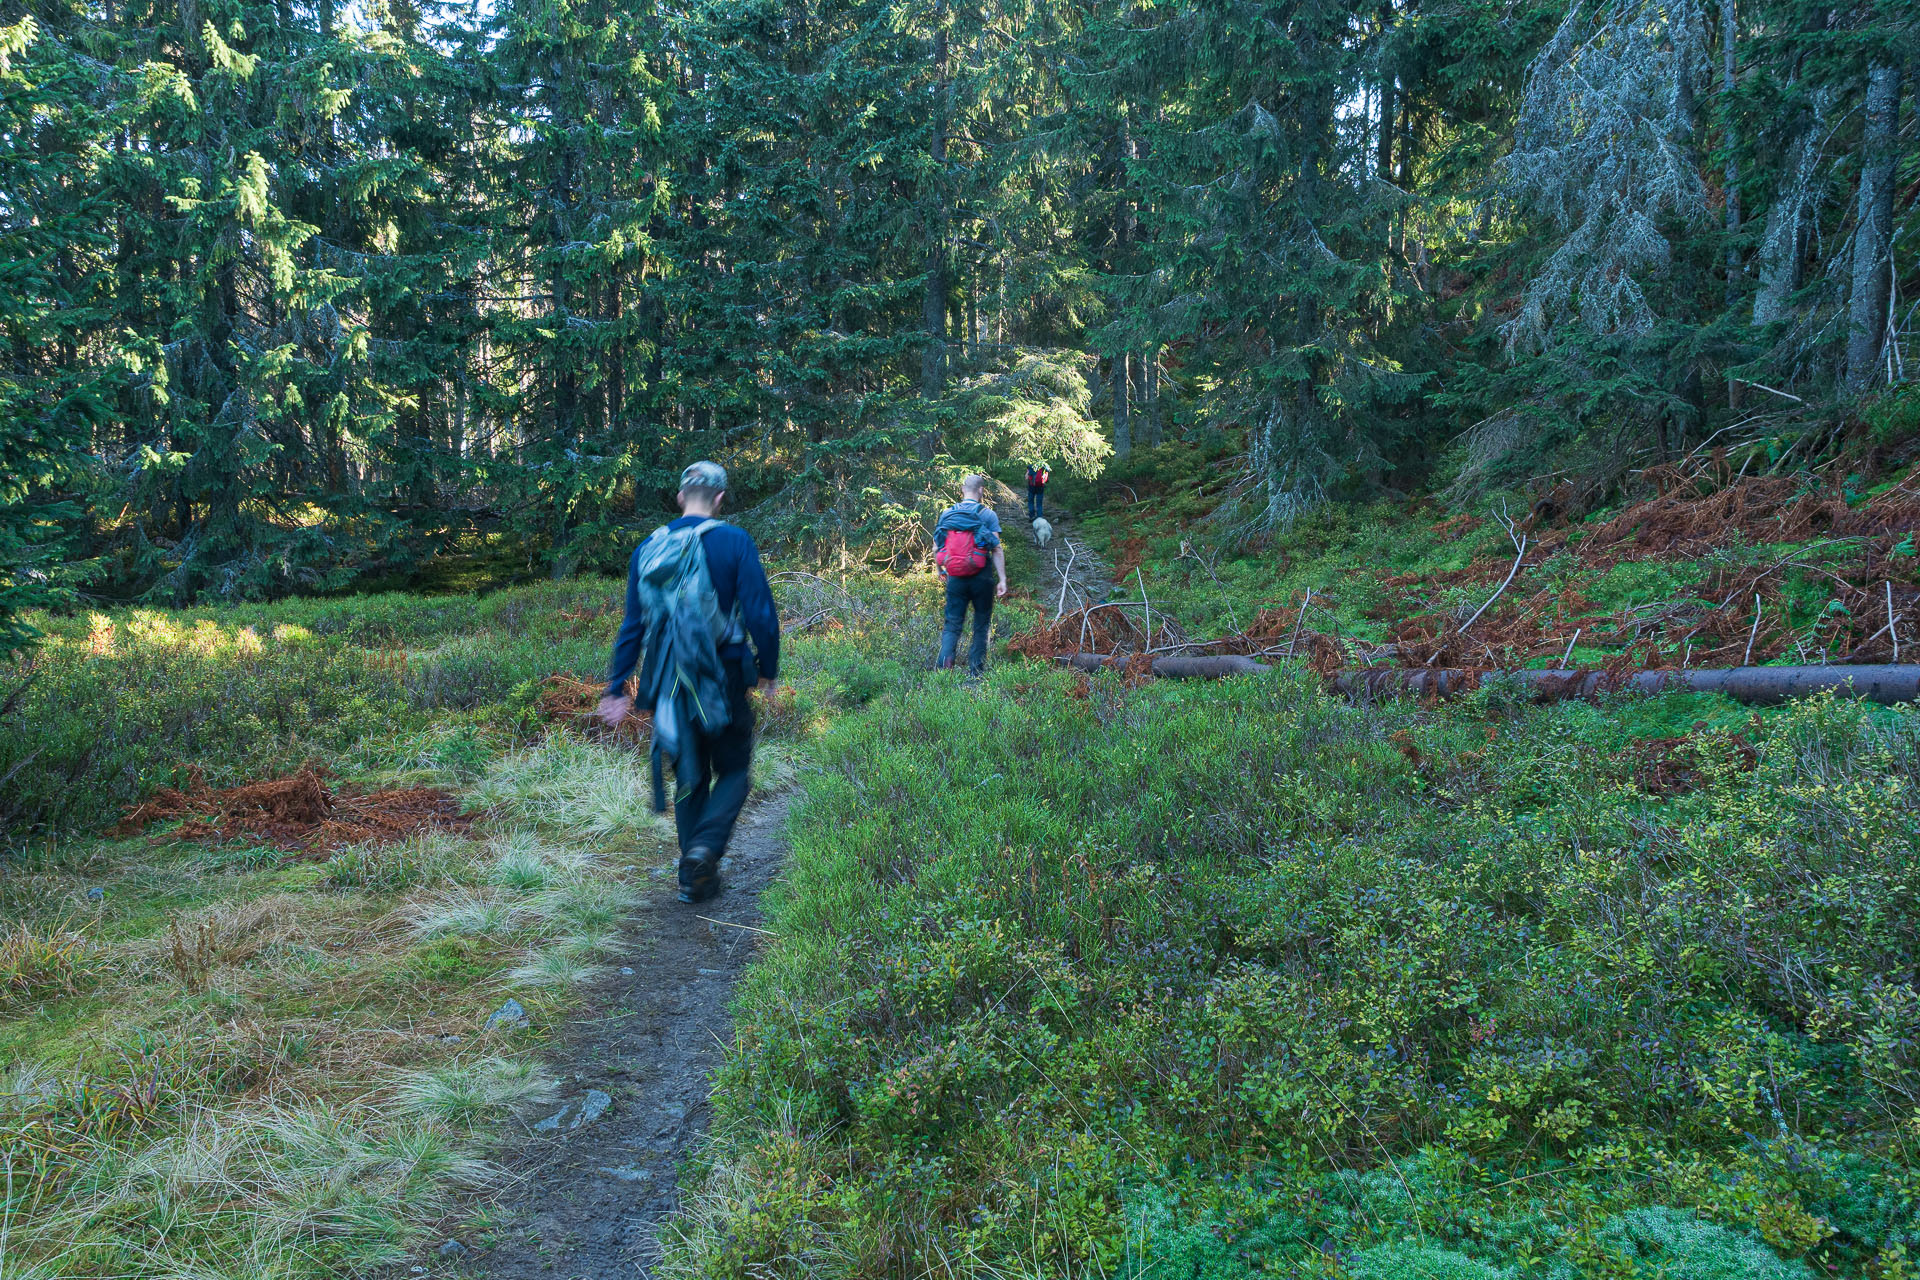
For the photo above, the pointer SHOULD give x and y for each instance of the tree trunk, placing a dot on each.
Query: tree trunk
(1173, 666)
(1729, 64)
(933, 312)
(1782, 242)
(1122, 237)
(1151, 374)
(973, 316)
(1873, 231)
(1885, 684)
(1383, 145)
(1139, 389)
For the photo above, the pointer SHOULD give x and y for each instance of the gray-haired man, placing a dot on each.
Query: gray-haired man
(713, 770)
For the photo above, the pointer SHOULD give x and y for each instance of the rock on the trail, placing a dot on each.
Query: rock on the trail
(511, 1015)
(589, 1107)
(453, 1249)
(592, 1108)
(96, 894)
(627, 1173)
(626, 971)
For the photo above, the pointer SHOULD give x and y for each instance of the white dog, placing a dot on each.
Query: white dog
(1042, 530)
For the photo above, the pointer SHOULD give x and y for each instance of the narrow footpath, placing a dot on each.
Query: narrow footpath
(1070, 575)
(600, 1174)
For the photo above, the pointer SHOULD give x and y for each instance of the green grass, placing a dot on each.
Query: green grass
(1195, 981)
(307, 1092)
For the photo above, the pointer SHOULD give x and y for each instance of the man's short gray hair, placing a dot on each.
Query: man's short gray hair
(973, 484)
(704, 477)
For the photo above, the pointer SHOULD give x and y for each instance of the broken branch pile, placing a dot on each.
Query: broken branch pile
(570, 702)
(1862, 557)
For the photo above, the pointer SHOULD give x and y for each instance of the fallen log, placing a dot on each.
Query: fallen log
(1764, 686)
(1884, 683)
(1173, 667)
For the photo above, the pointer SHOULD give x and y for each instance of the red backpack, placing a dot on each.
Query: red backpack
(960, 555)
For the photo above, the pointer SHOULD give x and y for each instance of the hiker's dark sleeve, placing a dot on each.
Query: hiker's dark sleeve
(754, 599)
(626, 645)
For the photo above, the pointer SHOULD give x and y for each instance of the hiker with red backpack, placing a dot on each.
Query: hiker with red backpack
(965, 541)
(1037, 490)
(696, 593)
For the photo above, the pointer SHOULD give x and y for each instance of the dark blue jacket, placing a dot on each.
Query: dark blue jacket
(733, 562)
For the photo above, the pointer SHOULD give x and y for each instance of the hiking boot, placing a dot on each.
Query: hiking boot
(699, 874)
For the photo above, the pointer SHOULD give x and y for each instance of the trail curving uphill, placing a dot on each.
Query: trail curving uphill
(590, 1200)
(1071, 576)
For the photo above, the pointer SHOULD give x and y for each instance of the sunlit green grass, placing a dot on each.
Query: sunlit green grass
(309, 1092)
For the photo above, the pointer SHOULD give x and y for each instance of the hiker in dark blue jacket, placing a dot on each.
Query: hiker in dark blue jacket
(969, 585)
(709, 802)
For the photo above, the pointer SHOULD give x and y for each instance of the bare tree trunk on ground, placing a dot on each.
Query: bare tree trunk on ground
(1884, 683)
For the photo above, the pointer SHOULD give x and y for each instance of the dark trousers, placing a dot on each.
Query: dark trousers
(711, 799)
(1036, 502)
(976, 591)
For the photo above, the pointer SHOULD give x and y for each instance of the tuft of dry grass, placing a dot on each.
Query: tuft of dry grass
(36, 960)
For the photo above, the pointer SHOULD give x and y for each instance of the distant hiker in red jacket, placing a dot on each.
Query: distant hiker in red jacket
(1037, 490)
(965, 541)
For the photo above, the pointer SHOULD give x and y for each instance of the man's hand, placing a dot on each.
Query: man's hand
(614, 708)
(1000, 588)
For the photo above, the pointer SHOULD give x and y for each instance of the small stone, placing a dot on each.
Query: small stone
(511, 1015)
(627, 1173)
(552, 1122)
(626, 971)
(451, 1039)
(453, 1249)
(96, 894)
(592, 1108)
(713, 973)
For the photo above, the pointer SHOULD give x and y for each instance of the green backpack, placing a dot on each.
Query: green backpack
(681, 676)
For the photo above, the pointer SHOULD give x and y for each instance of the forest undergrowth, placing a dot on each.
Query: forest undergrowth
(274, 868)
(1219, 979)
(1229, 978)
(1069, 975)
(1703, 565)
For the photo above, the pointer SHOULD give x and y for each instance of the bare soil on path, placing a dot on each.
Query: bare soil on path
(1070, 575)
(590, 1200)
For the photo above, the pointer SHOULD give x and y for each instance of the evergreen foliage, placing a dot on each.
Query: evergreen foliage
(302, 294)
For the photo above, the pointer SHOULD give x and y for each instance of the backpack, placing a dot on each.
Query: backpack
(1036, 477)
(683, 680)
(960, 554)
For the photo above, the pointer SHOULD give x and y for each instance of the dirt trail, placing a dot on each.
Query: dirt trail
(591, 1200)
(1067, 561)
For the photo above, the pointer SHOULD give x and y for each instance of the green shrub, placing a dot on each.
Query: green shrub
(1441, 975)
(1679, 1246)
